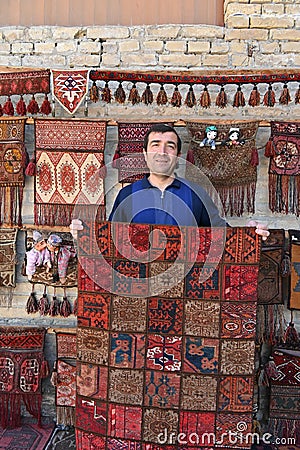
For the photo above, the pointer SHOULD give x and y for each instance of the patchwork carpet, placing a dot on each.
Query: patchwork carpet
(69, 158)
(26, 437)
(166, 336)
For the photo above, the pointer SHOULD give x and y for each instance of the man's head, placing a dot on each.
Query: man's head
(162, 128)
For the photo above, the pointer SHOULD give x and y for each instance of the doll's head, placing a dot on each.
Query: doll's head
(39, 242)
(54, 241)
(211, 132)
(234, 134)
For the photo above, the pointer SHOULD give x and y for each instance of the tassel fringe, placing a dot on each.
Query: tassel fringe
(147, 96)
(176, 99)
(190, 99)
(221, 100)
(270, 324)
(162, 98)
(269, 97)
(254, 99)
(239, 99)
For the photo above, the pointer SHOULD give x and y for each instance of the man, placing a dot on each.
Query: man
(163, 198)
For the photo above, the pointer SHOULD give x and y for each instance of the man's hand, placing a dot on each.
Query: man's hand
(260, 228)
(75, 226)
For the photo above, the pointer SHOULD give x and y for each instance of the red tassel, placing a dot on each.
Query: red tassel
(297, 97)
(162, 98)
(269, 150)
(221, 99)
(46, 107)
(134, 96)
(176, 98)
(285, 97)
(31, 168)
(190, 99)
(291, 337)
(147, 96)
(32, 304)
(205, 101)
(21, 107)
(239, 99)
(106, 94)
(254, 157)
(65, 307)
(8, 107)
(269, 97)
(33, 107)
(254, 99)
(44, 304)
(94, 93)
(120, 95)
(54, 308)
(75, 307)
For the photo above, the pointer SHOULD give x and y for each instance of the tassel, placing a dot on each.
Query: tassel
(54, 309)
(269, 97)
(147, 96)
(176, 98)
(291, 337)
(297, 97)
(285, 97)
(221, 100)
(239, 99)
(269, 150)
(190, 99)
(162, 98)
(106, 93)
(32, 303)
(254, 157)
(46, 107)
(120, 95)
(8, 107)
(33, 107)
(75, 307)
(65, 308)
(205, 101)
(1, 110)
(134, 96)
(94, 92)
(44, 304)
(31, 168)
(254, 99)
(271, 369)
(21, 107)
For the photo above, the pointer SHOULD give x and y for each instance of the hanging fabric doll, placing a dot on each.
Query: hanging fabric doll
(234, 138)
(59, 257)
(38, 256)
(211, 133)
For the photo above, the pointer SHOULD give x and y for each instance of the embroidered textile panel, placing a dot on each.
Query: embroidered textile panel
(294, 297)
(7, 257)
(284, 168)
(177, 361)
(69, 158)
(129, 159)
(69, 88)
(231, 167)
(270, 281)
(22, 367)
(25, 81)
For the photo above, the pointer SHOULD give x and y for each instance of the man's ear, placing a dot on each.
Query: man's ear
(145, 154)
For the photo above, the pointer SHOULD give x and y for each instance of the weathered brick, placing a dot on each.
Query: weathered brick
(110, 60)
(112, 32)
(238, 47)
(10, 60)
(129, 46)
(4, 47)
(163, 31)
(143, 60)
(215, 60)
(154, 46)
(44, 47)
(201, 31)
(40, 33)
(83, 60)
(22, 47)
(175, 46)
(179, 60)
(89, 47)
(269, 47)
(198, 46)
(286, 35)
(13, 34)
(290, 47)
(242, 8)
(240, 60)
(219, 47)
(66, 46)
(253, 34)
(238, 21)
(271, 22)
(273, 9)
(64, 32)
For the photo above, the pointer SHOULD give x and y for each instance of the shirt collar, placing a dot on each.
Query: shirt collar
(147, 185)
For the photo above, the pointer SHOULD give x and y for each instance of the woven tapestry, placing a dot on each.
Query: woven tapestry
(285, 396)
(69, 158)
(129, 158)
(294, 294)
(69, 88)
(13, 158)
(229, 164)
(283, 149)
(7, 257)
(22, 367)
(155, 369)
(24, 81)
(65, 379)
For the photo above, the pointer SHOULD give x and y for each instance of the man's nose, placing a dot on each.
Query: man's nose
(162, 149)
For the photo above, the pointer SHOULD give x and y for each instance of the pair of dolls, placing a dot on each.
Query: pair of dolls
(51, 255)
(211, 133)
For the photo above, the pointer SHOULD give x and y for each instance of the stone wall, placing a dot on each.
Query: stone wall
(257, 35)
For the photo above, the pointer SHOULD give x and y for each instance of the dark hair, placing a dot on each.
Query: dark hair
(162, 128)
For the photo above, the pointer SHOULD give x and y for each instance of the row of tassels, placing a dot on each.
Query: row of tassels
(52, 308)
(105, 94)
(22, 109)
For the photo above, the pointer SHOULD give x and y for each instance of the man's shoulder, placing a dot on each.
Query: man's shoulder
(129, 188)
(191, 185)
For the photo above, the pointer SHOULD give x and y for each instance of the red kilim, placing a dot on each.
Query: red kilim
(175, 365)
(69, 158)
(70, 88)
(12, 165)
(22, 367)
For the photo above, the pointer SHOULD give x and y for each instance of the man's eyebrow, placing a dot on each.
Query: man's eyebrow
(154, 141)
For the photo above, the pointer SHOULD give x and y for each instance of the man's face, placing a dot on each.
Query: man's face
(161, 155)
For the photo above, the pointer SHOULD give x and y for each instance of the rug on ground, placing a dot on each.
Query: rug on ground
(28, 436)
(154, 369)
(69, 157)
(22, 367)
